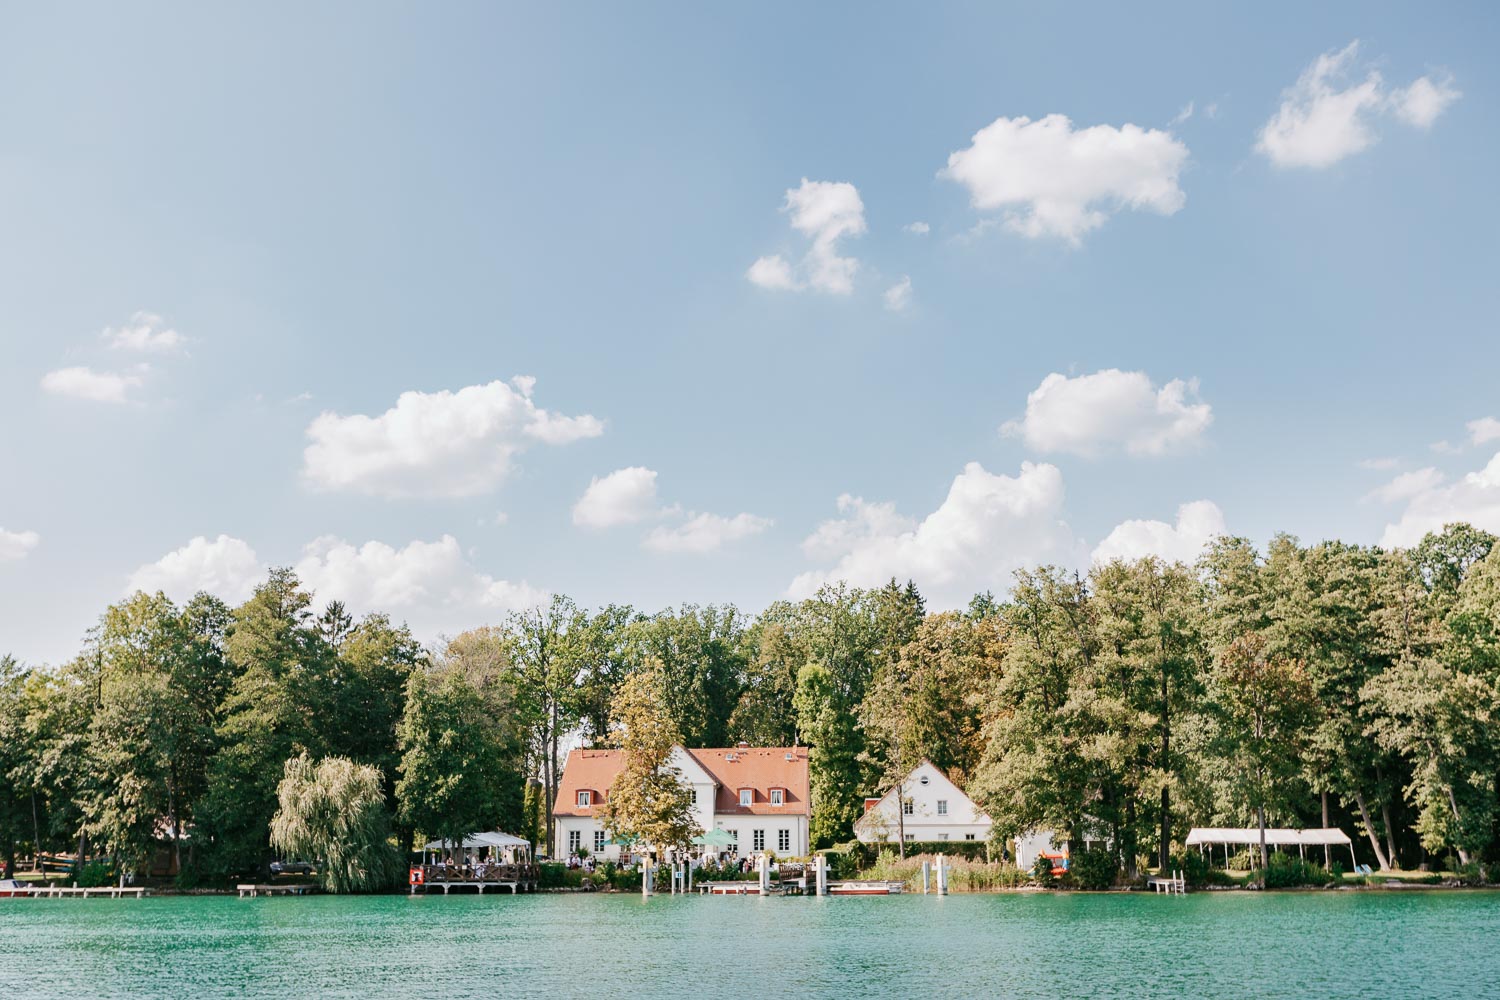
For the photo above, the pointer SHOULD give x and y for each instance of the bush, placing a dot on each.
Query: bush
(1285, 872)
(1198, 870)
(1041, 872)
(1492, 872)
(1094, 868)
(94, 874)
(554, 875)
(1470, 874)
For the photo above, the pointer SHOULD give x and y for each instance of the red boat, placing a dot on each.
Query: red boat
(14, 887)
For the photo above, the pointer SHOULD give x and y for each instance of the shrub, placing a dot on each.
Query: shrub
(1041, 872)
(1094, 868)
(94, 874)
(1492, 872)
(1470, 874)
(1285, 872)
(554, 875)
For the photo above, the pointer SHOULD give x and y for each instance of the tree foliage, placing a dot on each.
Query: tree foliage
(333, 811)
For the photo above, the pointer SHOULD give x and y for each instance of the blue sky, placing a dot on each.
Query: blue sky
(230, 240)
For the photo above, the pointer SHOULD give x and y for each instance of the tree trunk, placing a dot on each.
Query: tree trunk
(1165, 849)
(1364, 815)
(1463, 855)
(1327, 849)
(1265, 859)
(1390, 836)
(901, 818)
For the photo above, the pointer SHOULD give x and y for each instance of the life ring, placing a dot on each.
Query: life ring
(416, 875)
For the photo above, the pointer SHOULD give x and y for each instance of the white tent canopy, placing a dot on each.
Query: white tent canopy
(476, 840)
(1280, 837)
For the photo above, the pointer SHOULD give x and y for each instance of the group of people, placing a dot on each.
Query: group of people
(586, 862)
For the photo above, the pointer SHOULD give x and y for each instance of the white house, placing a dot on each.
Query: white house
(933, 807)
(758, 796)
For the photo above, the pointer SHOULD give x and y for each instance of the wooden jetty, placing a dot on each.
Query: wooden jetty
(856, 887)
(1174, 884)
(67, 892)
(474, 878)
(253, 889)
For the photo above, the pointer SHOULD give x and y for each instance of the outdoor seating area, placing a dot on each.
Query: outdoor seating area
(480, 861)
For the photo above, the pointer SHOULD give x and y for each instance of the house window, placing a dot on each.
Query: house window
(757, 840)
(734, 838)
(968, 836)
(746, 796)
(908, 807)
(778, 796)
(942, 805)
(575, 841)
(585, 799)
(783, 840)
(598, 841)
(942, 836)
(911, 836)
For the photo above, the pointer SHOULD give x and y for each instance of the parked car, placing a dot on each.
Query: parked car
(292, 868)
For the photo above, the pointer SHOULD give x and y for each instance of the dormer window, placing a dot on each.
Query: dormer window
(585, 799)
(747, 796)
(778, 796)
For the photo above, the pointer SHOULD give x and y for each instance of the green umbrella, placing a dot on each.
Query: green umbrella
(714, 838)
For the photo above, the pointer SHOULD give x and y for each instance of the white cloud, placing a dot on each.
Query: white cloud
(1475, 498)
(449, 444)
(704, 533)
(1445, 447)
(432, 578)
(987, 526)
(98, 387)
(918, 228)
(898, 296)
(625, 496)
(1183, 115)
(1109, 410)
(1326, 116)
(145, 332)
(1484, 430)
(1379, 464)
(17, 544)
(1406, 486)
(1054, 181)
(430, 584)
(1420, 104)
(1198, 523)
(225, 567)
(825, 212)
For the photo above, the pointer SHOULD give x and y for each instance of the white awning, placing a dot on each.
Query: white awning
(1280, 837)
(485, 839)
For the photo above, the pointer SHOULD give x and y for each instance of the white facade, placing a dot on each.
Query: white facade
(785, 834)
(1032, 844)
(935, 810)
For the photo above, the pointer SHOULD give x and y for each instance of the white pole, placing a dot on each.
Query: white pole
(942, 875)
(822, 884)
(926, 873)
(645, 877)
(765, 876)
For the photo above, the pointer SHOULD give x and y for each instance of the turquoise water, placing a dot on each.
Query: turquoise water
(1323, 945)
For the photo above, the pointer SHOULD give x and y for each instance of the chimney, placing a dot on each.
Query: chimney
(742, 745)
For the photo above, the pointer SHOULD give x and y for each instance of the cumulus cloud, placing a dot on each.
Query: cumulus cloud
(701, 534)
(986, 527)
(1112, 410)
(432, 585)
(1051, 180)
(1406, 485)
(1379, 464)
(825, 212)
(1198, 523)
(98, 387)
(226, 567)
(1484, 430)
(445, 444)
(625, 496)
(1328, 114)
(1184, 115)
(17, 544)
(1475, 498)
(898, 296)
(146, 332)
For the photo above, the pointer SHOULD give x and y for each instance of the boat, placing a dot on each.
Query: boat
(864, 888)
(14, 887)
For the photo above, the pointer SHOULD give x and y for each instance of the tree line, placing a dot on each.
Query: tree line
(1329, 684)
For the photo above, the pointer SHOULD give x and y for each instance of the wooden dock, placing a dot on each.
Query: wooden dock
(65, 892)
(253, 889)
(511, 878)
(1174, 884)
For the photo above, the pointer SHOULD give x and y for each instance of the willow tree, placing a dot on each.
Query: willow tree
(334, 811)
(648, 800)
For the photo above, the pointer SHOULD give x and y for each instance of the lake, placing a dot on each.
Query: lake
(1323, 945)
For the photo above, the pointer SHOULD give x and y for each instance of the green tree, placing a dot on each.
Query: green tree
(648, 801)
(545, 661)
(702, 656)
(334, 811)
(460, 753)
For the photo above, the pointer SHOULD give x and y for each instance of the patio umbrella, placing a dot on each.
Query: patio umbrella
(714, 838)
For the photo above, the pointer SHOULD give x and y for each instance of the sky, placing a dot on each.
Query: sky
(451, 307)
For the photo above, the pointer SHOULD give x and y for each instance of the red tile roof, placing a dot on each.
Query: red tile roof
(758, 768)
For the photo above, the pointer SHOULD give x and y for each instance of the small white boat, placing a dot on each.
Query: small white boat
(862, 888)
(14, 887)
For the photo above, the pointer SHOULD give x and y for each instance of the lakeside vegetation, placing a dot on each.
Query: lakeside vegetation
(1280, 687)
